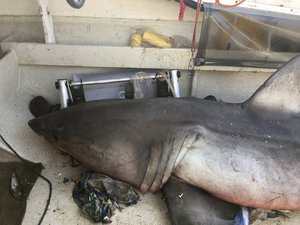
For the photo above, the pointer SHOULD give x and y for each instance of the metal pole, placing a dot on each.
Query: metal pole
(63, 92)
(93, 82)
(175, 84)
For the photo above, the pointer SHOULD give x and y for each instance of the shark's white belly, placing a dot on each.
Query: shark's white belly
(261, 173)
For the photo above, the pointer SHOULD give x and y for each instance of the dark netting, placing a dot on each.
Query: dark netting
(98, 196)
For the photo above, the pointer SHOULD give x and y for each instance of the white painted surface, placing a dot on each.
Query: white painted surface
(141, 9)
(114, 32)
(227, 86)
(99, 56)
(9, 76)
(104, 22)
(280, 6)
(130, 9)
(90, 31)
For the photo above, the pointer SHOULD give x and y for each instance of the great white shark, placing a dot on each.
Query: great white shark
(247, 154)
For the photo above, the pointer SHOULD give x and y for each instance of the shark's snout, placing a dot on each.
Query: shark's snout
(34, 125)
(40, 128)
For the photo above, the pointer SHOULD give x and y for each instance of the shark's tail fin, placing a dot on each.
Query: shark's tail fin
(281, 92)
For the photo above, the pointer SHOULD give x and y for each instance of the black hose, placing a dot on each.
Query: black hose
(48, 200)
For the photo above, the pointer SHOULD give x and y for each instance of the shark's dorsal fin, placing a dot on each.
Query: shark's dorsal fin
(281, 92)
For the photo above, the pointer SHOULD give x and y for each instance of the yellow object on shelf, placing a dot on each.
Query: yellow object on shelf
(157, 40)
(136, 40)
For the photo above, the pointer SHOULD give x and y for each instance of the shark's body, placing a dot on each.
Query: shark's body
(248, 153)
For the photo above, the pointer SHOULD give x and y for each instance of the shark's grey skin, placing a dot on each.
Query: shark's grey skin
(247, 154)
(189, 205)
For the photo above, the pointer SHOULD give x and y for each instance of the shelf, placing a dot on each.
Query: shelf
(110, 57)
(98, 56)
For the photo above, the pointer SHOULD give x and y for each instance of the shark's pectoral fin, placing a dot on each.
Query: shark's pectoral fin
(190, 205)
(164, 157)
